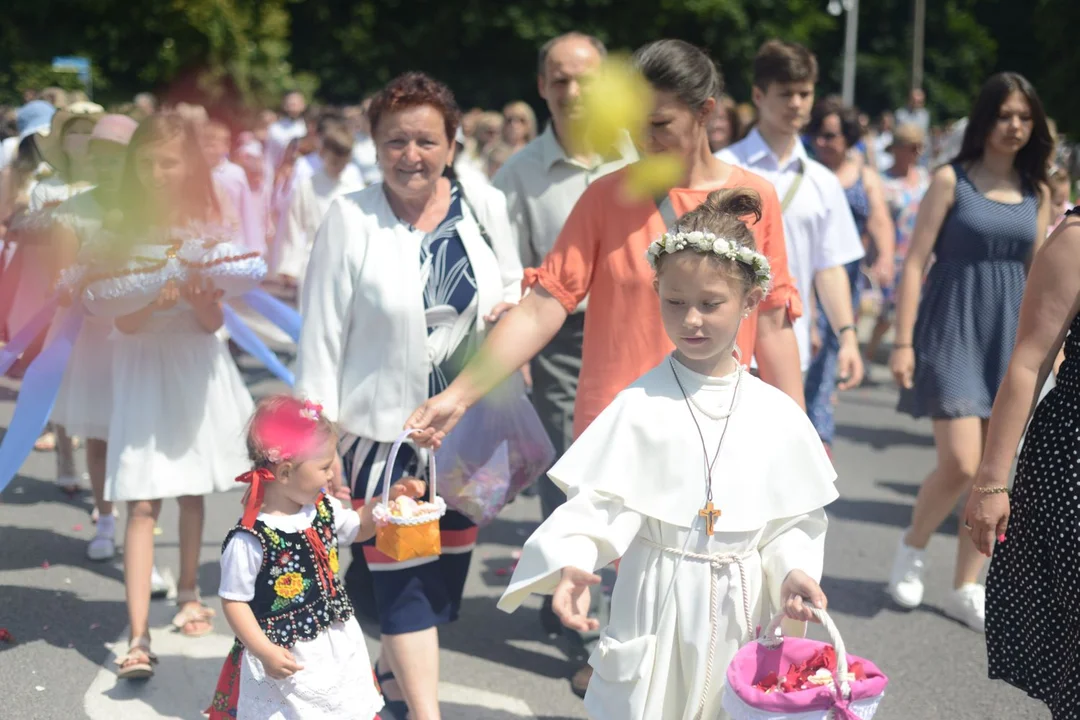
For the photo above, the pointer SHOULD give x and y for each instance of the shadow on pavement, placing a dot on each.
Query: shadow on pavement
(900, 488)
(31, 548)
(500, 629)
(883, 512)
(859, 598)
(509, 533)
(882, 438)
(62, 619)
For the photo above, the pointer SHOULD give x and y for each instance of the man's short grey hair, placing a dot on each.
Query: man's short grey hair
(547, 47)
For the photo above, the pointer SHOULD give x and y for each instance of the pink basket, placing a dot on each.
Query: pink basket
(853, 700)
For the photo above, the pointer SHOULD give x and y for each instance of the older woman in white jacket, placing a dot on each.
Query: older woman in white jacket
(404, 278)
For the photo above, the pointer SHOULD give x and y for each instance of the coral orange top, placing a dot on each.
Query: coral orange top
(600, 253)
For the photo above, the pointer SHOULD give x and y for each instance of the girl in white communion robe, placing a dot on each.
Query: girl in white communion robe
(707, 482)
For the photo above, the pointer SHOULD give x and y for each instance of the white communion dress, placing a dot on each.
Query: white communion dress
(635, 484)
(180, 408)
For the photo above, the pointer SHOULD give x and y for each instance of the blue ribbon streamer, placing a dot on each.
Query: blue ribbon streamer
(275, 311)
(11, 352)
(37, 394)
(243, 336)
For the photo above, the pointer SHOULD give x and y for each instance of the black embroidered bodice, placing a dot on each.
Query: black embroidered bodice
(297, 592)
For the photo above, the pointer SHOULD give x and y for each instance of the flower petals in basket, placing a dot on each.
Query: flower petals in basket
(792, 678)
(404, 528)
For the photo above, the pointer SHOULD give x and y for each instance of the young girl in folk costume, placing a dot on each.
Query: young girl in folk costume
(300, 652)
(707, 482)
(179, 404)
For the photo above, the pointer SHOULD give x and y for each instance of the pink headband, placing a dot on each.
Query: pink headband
(288, 430)
(114, 128)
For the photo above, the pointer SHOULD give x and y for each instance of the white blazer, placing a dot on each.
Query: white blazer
(364, 351)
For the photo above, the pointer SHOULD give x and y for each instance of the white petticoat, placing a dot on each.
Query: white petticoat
(336, 682)
(84, 402)
(180, 412)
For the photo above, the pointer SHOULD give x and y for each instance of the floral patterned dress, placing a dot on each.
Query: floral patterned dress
(425, 592)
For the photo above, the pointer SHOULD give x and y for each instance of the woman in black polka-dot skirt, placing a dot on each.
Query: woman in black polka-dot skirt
(1033, 590)
(981, 220)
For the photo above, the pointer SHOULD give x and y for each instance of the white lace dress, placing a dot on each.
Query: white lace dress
(180, 407)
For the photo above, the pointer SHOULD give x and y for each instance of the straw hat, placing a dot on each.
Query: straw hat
(51, 146)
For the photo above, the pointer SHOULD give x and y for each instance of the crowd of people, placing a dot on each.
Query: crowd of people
(433, 252)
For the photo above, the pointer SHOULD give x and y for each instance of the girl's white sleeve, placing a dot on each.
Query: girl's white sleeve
(346, 521)
(795, 543)
(240, 563)
(589, 531)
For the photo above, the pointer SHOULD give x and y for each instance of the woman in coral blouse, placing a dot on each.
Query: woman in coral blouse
(601, 251)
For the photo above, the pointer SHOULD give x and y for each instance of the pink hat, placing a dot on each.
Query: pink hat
(114, 128)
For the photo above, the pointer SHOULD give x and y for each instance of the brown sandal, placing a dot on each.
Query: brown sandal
(138, 663)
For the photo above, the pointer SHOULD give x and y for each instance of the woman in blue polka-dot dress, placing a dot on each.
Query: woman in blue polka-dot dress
(1032, 624)
(981, 220)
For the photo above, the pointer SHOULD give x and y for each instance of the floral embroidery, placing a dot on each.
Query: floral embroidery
(289, 586)
(274, 537)
(292, 601)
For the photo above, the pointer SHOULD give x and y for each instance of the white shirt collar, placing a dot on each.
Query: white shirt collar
(758, 150)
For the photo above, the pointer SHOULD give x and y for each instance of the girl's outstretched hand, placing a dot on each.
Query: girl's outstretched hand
(571, 599)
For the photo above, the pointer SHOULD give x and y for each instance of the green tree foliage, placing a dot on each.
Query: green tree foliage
(232, 53)
(238, 53)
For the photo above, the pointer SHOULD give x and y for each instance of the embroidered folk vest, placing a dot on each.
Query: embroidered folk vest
(297, 591)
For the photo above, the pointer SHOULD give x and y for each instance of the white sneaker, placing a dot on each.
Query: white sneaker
(906, 581)
(159, 586)
(967, 604)
(103, 545)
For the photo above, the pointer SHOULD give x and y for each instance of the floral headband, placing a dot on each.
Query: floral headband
(287, 431)
(706, 242)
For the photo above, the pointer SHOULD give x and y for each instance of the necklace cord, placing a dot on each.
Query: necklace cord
(701, 435)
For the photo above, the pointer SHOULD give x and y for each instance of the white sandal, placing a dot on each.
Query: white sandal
(138, 663)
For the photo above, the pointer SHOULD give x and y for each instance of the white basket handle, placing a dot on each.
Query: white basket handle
(774, 627)
(392, 458)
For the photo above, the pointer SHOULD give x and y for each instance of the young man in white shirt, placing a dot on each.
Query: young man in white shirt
(232, 183)
(818, 224)
(542, 183)
(287, 128)
(311, 199)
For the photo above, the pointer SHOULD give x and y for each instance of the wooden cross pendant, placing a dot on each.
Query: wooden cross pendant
(710, 514)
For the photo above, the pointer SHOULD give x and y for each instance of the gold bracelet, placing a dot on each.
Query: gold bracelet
(991, 490)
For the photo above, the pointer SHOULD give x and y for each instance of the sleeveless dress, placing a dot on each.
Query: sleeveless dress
(180, 407)
(966, 326)
(1032, 625)
(423, 593)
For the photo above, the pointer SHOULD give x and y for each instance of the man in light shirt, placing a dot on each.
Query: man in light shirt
(818, 224)
(311, 199)
(542, 182)
(232, 182)
(363, 154)
(287, 128)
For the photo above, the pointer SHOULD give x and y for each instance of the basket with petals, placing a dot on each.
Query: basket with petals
(789, 678)
(405, 529)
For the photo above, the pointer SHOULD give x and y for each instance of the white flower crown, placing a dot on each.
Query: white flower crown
(706, 242)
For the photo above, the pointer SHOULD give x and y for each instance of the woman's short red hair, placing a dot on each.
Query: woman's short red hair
(413, 89)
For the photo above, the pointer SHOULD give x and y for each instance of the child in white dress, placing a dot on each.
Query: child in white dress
(300, 653)
(708, 483)
(179, 404)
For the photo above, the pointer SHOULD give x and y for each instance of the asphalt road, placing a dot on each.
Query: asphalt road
(66, 613)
